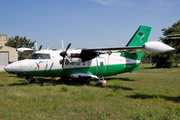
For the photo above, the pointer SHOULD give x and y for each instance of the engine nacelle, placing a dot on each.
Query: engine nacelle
(73, 60)
(76, 60)
(155, 46)
(74, 53)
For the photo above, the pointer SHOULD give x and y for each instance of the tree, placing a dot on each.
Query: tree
(18, 42)
(168, 59)
(146, 58)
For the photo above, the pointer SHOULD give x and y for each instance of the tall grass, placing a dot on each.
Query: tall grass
(148, 93)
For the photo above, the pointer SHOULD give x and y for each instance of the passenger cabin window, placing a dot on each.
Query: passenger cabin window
(89, 63)
(101, 64)
(40, 56)
(84, 63)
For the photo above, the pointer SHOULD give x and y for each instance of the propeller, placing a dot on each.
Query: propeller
(40, 47)
(64, 53)
(35, 45)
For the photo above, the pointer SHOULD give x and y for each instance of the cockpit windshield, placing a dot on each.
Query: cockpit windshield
(40, 56)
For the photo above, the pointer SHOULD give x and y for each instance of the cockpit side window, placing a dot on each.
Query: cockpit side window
(40, 56)
(46, 56)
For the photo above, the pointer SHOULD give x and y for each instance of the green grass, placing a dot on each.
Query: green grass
(148, 93)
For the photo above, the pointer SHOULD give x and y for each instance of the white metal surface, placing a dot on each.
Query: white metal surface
(155, 46)
(4, 58)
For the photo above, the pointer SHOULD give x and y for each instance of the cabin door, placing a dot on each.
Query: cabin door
(101, 66)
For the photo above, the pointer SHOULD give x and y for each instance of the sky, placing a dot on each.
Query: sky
(85, 23)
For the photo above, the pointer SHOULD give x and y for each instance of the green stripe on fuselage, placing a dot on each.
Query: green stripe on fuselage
(134, 56)
(110, 70)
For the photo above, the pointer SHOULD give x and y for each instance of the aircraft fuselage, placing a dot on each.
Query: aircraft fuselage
(50, 65)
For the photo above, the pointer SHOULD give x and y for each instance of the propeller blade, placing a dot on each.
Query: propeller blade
(68, 46)
(68, 59)
(63, 62)
(62, 44)
(47, 47)
(40, 47)
(35, 45)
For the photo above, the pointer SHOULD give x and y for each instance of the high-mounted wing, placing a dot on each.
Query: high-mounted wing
(153, 46)
(29, 50)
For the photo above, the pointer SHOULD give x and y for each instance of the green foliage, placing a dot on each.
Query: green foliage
(111, 93)
(64, 88)
(139, 92)
(148, 94)
(168, 59)
(18, 42)
(146, 58)
(88, 97)
(160, 99)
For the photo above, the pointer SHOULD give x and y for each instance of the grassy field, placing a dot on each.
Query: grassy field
(148, 93)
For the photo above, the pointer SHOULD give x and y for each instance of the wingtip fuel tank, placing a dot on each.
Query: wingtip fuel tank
(155, 46)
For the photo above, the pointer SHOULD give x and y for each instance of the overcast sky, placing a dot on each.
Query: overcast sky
(85, 23)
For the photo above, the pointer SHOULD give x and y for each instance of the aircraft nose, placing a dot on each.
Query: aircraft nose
(8, 68)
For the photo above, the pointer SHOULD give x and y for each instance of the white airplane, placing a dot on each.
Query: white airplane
(87, 64)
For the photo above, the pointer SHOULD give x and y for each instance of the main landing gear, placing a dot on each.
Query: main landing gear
(85, 80)
(30, 79)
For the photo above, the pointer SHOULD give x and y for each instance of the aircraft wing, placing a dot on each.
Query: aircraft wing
(153, 46)
(25, 50)
(77, 75)
(113, 49)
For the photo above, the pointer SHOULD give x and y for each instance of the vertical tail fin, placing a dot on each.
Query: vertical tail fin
(140, 36)
(138, 39)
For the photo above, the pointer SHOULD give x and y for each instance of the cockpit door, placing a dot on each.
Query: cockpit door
(49, 63)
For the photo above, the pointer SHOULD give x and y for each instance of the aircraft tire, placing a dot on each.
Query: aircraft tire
(84, 80)
(88, 81)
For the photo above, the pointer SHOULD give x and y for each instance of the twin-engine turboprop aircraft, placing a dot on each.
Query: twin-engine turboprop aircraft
(87, 63)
